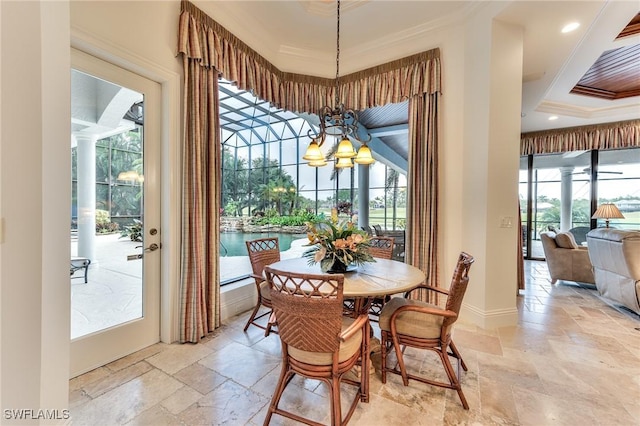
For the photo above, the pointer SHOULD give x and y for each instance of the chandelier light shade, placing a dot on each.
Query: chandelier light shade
(364, 156)
(318, 163)
(607, 211)
(340, 123)
(344, 163)
(345, 149)
(313, 153)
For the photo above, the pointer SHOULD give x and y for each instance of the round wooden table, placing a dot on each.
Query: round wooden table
(380, 278)
(377, 279)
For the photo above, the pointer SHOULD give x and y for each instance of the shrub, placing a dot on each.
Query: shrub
(104, 224)
(134, 232)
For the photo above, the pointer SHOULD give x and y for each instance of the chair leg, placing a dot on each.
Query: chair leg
(456, 353)
(453, 378)
(365, 364)
(285, 377)
(270, 323)
(336, 409)
(253, 315)
(86, 271)
(383, 357)
(399, 355)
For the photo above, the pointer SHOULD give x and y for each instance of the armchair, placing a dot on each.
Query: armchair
(421, 325)
(615, 255)
(565, 259)
(318, 342)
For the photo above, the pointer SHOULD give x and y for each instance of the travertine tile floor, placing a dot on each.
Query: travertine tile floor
(571, 360)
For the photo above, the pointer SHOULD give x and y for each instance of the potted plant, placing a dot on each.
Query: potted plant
(337, 244)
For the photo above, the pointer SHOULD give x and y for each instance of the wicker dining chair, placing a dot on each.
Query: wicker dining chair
(406, 322)
(382, 248)
(318, 342)
(262, 252)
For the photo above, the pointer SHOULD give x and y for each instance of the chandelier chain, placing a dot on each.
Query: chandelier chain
(338, 57)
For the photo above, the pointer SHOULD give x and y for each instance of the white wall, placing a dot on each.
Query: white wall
(493, 75)
(34, 192)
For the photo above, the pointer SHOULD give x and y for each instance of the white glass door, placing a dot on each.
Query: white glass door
(115, 212)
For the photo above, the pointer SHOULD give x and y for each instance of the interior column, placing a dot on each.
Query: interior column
(86, 195)
(363, 196)
(566, 198)
(490, 167)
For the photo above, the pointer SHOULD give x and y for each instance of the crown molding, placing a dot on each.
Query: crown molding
(586, 112)
(395, 42)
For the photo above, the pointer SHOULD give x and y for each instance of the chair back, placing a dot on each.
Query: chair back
(263, 252)
(378, 229)
(308, 308)
(367, 229)
(381, 247)
(458, 286)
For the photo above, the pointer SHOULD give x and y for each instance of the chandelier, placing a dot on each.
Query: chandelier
(339, 122)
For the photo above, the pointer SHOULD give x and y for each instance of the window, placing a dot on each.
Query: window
(561, 195)
(263, 175)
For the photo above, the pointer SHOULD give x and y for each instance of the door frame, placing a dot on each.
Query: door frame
(170, 164)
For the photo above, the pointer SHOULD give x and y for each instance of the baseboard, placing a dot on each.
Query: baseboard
(488, 319)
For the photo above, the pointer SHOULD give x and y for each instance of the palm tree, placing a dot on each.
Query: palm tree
(392, 185)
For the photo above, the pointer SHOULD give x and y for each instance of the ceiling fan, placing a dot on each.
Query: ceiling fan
(587, 171)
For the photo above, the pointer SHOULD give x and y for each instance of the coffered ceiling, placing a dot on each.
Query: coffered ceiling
(616, 73)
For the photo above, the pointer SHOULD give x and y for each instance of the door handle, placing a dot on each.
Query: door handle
(152, 247)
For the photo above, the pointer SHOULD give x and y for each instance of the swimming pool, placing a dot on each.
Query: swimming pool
(232, 243)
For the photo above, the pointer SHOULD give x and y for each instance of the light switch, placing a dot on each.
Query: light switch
(506, 221)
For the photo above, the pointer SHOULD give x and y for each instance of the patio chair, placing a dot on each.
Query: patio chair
(406, 322)
(318, 342)
(79, 263)
(262, 252)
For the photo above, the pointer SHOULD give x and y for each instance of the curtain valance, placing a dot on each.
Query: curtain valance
(203, 39)
(623, 134)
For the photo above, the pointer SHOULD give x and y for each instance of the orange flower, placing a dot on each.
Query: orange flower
(341, 244)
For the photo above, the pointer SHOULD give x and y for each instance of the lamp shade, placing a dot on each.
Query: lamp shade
(345, 149)
(607, 211)
(364, 156)
(317, 163)
(344, 163)
(129, 175)
(313, 152)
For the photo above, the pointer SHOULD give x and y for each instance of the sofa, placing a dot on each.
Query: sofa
(566, 260)
(615, 255)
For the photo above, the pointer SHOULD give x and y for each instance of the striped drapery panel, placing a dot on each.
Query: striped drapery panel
(421, 248)
(520, 269)
(203, 39)
(202, 162)
(621, 134)
(207, 43)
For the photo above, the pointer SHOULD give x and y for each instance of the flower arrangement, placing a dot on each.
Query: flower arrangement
(337, 244)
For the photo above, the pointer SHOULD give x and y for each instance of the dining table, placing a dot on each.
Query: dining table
(364, 283)
(374, 279)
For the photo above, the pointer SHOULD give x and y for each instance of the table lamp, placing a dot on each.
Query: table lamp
(607, 211)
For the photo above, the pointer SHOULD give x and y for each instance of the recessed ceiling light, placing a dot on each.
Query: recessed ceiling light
(570, 27)
(553, 117)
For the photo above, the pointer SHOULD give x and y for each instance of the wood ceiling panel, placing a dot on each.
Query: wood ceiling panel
(616, 73)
